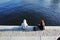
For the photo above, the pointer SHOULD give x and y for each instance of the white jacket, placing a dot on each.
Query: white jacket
(24, 24)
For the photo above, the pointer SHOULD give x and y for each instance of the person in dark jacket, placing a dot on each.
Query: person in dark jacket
(40, 26)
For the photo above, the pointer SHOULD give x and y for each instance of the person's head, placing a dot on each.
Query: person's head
(42, 23)
(24, 21)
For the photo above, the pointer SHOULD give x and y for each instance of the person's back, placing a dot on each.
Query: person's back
(42, 24)
(24, 24)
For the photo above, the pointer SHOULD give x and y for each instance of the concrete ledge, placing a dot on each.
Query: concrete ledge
(29, 38)
(50, 33)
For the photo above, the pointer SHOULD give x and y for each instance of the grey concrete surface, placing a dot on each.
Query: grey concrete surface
(50, 33)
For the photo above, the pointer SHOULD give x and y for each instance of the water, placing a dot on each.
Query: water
(12, 12)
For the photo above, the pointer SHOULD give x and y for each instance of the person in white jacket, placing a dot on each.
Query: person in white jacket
(24, 24)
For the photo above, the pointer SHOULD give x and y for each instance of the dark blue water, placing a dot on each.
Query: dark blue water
(12, 12)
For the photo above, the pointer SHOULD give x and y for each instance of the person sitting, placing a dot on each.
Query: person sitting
(24, 24)
(40, 26)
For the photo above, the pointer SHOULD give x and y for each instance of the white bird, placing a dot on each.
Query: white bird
(24, 24)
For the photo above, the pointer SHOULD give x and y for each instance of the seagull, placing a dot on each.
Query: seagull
(24, 24)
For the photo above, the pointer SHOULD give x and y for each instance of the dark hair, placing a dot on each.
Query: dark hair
(58, 38)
